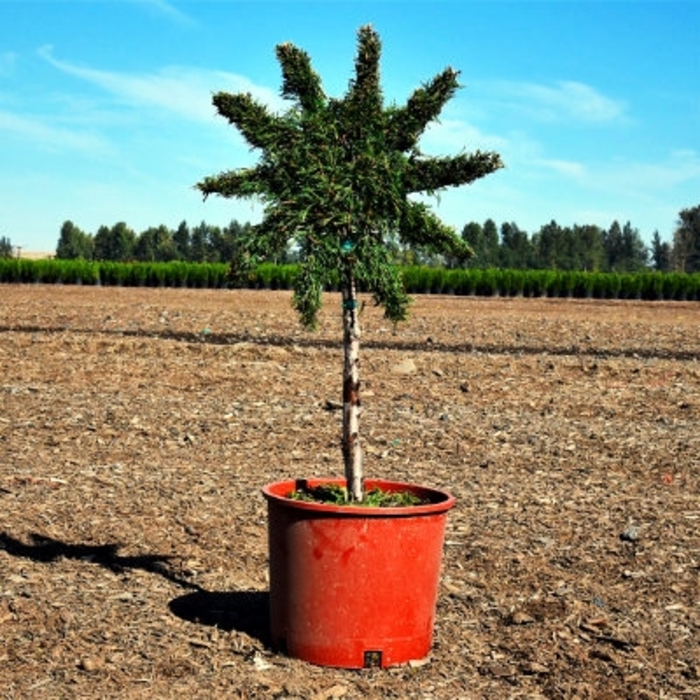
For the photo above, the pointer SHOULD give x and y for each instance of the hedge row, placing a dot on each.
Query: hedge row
(114, 274)
(418, 280)
(553, 283)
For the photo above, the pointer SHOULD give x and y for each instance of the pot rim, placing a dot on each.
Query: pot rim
(440, 501)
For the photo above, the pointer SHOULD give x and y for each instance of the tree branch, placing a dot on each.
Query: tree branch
(432, 174)
(300, 81)
(259, 127)
(407, 124)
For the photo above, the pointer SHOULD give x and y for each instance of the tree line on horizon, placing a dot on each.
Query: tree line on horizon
(579, 247)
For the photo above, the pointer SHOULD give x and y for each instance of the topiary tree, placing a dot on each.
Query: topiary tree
(334, 176)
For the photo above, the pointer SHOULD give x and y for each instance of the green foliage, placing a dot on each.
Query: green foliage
(334, 176)
(646, 285)
(77, 271)
(74, 243)
(419, 279)
(630, 286)
(686, 240)
(8, 271)
(661, 253)
(551, 283)
(6, 247)
(334, 494)
(115, 243)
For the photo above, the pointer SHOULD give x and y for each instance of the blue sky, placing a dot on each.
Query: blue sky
(106, 115)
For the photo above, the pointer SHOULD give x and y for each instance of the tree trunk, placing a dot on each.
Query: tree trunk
(352, 450)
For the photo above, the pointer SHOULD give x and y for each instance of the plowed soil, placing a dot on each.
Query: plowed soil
(137, 427)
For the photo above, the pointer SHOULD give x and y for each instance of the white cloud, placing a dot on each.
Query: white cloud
(167, 10)
(622, 177)
(567, 168)
(162, 8)
(451, 136)
(564, 99)
(680, 167)
(180, 90)
(600, 191)
(49, 137)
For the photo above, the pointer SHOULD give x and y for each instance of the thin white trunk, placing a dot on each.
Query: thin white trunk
(352, 449)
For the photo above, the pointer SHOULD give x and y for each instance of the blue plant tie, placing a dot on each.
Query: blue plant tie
(349, 304)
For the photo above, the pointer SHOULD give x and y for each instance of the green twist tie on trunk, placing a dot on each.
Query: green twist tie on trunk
(349, 304)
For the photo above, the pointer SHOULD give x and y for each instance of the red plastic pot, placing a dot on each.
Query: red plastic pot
(350, 586)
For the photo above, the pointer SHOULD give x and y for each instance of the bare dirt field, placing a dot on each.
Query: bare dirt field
(137, 427)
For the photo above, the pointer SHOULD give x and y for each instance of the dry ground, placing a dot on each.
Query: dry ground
(137, 427)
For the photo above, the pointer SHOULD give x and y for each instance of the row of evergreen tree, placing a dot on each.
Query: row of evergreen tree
(579, 247)
(6, 248)
(587, 247)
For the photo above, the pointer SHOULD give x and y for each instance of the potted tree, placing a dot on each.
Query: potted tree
(350, 586)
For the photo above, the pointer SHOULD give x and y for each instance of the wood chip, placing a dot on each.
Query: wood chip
(133, 546)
